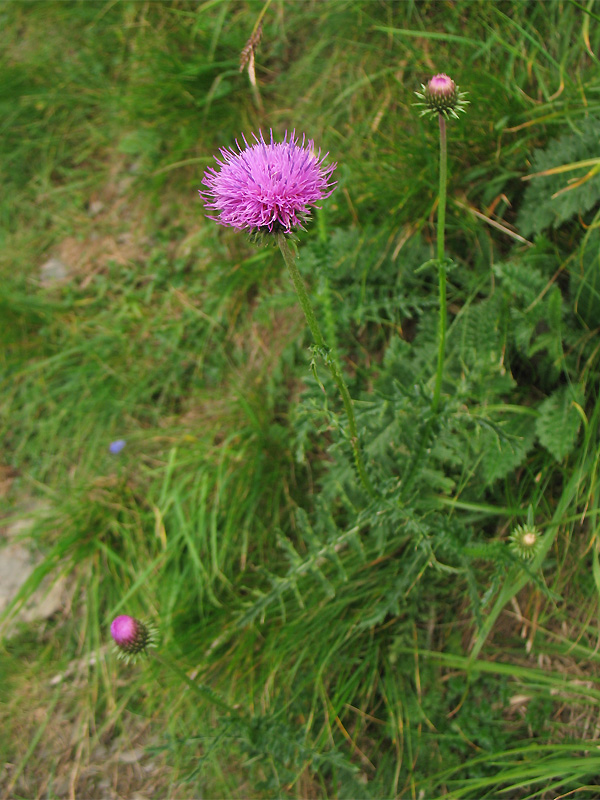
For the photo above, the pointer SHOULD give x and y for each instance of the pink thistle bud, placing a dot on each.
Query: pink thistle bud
(441, 96)
(132, 638)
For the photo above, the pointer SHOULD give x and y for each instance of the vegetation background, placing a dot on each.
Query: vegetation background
(334, 646)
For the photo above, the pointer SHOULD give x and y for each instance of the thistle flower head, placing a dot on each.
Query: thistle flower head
(525, 541)
(441, 96)
(267, 187)
(132, 637)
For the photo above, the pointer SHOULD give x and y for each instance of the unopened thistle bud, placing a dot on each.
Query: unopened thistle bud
(441, 96)
(525, 541)
(132, 638)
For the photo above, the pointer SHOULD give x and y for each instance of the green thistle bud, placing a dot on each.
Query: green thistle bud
(524, 541)
(441, 96)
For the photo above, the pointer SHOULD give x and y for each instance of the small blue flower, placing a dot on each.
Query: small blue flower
(116, 446)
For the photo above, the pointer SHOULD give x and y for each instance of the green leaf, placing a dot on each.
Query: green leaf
(551, 200)
(559, 421)
(505, 446)
(585, 281)
(478, 332)
(596, 569)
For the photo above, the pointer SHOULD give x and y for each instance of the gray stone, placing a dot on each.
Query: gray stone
(17, 563)
(53, 271)
(95, 207)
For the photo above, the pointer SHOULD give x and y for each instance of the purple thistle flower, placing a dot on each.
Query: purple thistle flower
(116, 446)
(267, 187)
(132, 637)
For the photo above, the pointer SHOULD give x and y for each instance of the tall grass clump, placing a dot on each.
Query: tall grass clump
(346, 484)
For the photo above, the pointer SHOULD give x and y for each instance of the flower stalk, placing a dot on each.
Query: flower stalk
(441, 98)
(441, 226)
(330, 362)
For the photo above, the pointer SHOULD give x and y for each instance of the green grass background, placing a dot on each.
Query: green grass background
(398, 650)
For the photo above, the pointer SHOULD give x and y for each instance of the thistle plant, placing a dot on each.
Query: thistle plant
(267, 190)
(441, 98)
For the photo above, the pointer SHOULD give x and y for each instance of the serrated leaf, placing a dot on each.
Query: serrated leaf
(585, 281)
(525, 283)
(550, 200)
(478, 332)
(558, 423)
(506, 447)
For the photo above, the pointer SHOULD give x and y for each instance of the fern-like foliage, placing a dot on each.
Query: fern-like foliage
(585, 281)
(355, 283)
(549, 199)
(477, 332)
(559, 421)
(314, 557)
(534, 313)
(504, 446)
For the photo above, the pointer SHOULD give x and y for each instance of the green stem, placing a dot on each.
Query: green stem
(204, 692)
(331, 363)
(441, 263)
